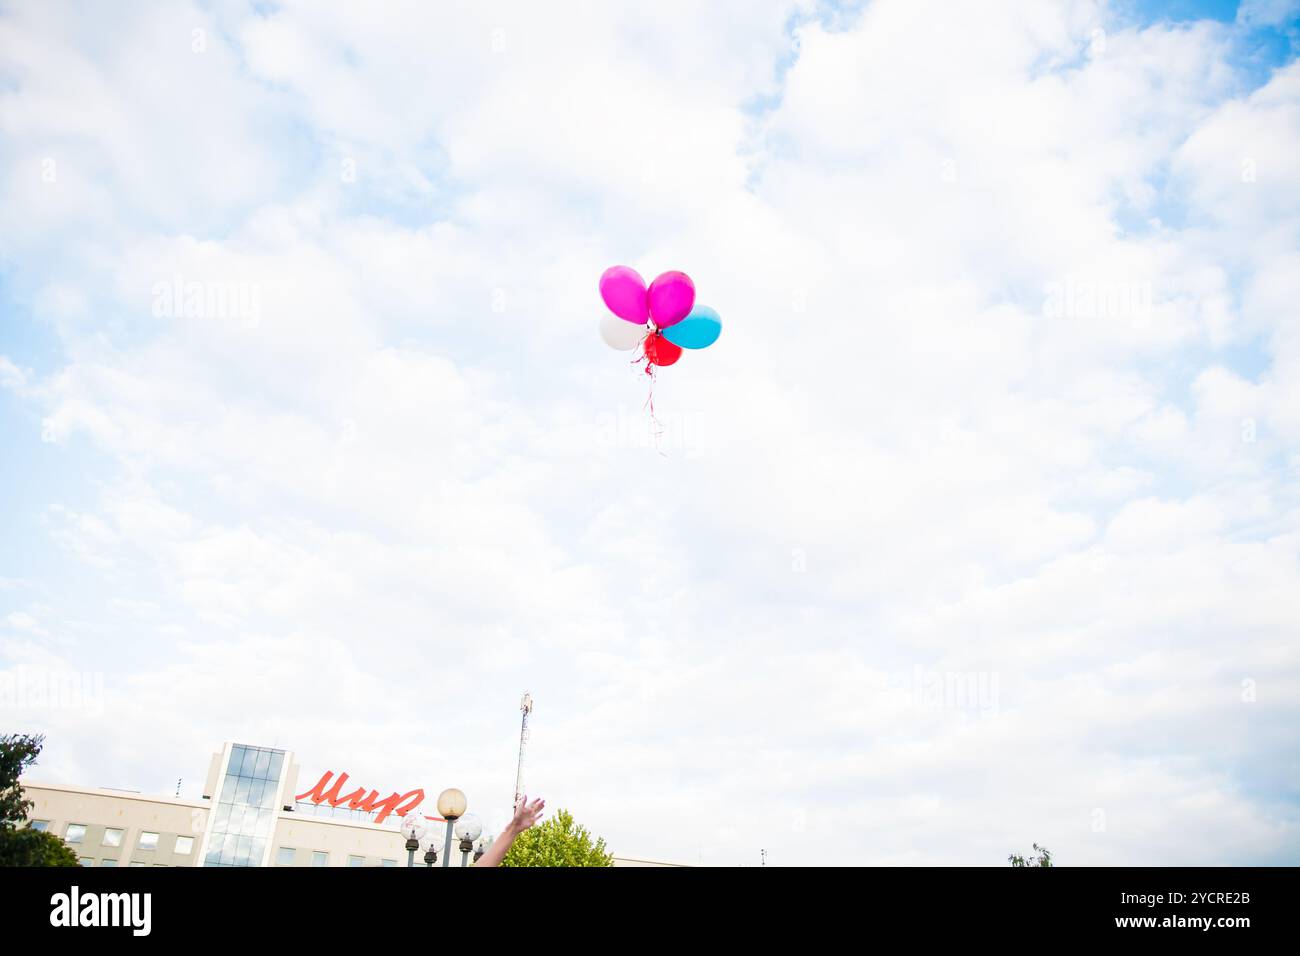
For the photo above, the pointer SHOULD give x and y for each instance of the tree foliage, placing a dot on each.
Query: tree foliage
(1044, 858)
(22, 846)
(19, 845)
(558, 842)
(17, 753)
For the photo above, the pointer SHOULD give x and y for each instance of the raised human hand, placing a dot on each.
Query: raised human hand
(526, 814)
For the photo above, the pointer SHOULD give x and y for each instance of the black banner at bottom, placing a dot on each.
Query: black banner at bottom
(1173, 906)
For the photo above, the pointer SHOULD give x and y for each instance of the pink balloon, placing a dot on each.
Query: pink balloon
(624, 292)
(671, 297)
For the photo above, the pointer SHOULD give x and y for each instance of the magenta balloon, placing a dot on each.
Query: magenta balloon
(671, 298)
(624, 292)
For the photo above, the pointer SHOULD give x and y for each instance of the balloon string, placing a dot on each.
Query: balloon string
(656, 426)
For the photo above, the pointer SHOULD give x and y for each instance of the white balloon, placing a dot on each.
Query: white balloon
(620, 333)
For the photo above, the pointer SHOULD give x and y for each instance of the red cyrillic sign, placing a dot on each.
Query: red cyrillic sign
(359, 799)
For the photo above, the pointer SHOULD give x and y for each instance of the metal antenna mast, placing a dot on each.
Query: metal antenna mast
(525, 708)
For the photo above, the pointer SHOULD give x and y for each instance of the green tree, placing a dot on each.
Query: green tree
(17, 753)
(22, 846)
(558, 842)
(19, 845)
(1044, 858)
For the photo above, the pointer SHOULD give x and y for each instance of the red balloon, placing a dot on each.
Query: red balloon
(660, 351)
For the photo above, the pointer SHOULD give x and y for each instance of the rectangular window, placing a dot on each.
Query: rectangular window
(388, 863)
(86, 860)
(356, 861)
(109, 863)
(75, 833)
(112, 837)
(138, 863)
(284, 856)
(41, 825)
(184, 845)
(320, 859)
(148, 841)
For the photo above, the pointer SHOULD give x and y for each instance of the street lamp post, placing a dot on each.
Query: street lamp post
(413, 830)
(468, 828)
(431, 848)
(451, 806)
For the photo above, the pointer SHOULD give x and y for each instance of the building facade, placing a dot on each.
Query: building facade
(254, 811)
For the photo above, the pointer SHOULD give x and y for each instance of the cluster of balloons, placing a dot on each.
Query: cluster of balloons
(663, 319)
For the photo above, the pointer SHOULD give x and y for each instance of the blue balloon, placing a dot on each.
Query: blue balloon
(698, 330)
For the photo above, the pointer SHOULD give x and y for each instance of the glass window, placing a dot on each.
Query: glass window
(388, 863)
(137, 863)
(41, 825)
(248, 766)
(320, 859)
(147, 841)
(277, 761)
(109, 863)
(356, 861)
(112, 837)
(86, 860)
(284, 856)
(263, 767)
(75, 833)
(226, 796)
(184, 845)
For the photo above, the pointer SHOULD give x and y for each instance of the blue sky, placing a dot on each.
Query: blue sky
(977, 527)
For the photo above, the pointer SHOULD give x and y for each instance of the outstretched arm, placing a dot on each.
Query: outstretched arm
(526, 814)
